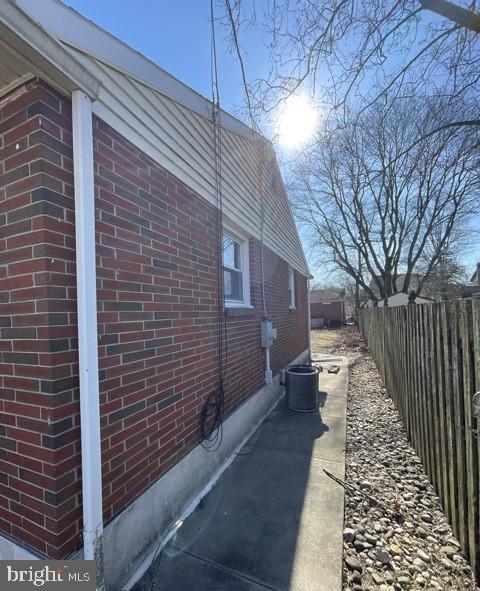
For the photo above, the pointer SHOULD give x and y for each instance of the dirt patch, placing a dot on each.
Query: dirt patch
(326, 340)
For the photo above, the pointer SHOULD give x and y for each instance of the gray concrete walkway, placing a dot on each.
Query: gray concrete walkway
(274, 520)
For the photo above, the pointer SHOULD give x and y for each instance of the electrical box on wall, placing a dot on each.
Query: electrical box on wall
(269, 334)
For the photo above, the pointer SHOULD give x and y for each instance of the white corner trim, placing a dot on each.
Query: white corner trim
(87, 325)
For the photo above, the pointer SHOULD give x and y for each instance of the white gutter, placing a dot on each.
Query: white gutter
(87, 331)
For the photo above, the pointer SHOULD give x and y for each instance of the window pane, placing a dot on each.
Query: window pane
(231, 252)
(232, 282)
(291, 288)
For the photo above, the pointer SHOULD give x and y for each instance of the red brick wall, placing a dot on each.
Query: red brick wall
(39, 485)
(157, 324)
(246, 358)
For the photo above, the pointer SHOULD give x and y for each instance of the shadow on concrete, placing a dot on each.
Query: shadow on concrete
(322, 396)
(273, 521)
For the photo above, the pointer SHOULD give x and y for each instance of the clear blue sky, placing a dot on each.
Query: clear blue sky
(176, 35)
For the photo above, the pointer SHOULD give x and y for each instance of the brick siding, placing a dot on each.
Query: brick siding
(39, 459)
(157, 321)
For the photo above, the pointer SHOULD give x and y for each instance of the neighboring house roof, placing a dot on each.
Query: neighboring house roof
(415, 279)
(476, 276)
(397, 299)
(327, 295)
(466, 291)
(172, 124)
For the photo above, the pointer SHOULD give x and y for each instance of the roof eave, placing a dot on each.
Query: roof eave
(34, 45)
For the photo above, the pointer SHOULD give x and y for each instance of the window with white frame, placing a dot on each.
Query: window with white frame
(236, 280)
(291, 289)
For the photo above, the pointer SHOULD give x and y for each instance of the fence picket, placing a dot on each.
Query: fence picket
(437, 457)
(429, 359)
(417, 387)
(444, 491)
(458, 422)
(476, 421)
(471, 458)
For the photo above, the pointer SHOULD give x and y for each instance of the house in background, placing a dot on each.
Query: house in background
(475, 278)
(472, 288)
(401, 298)
(397, 299)
(111, 303)
(327, 307)
(445, 284)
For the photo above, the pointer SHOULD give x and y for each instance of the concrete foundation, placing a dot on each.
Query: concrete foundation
(9, 550)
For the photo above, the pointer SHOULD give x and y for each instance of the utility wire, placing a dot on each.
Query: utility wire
(217, 156)
(242, 66)
(211, 416)
(394, 514)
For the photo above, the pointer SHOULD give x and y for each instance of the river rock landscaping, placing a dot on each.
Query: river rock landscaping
(396, 535)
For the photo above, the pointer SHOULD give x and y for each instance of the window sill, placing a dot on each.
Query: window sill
(232, 304)
(292, 308)
(239, 311)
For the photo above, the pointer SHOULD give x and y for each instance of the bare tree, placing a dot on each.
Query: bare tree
(380, 210)
(447, 280)
(339, 49)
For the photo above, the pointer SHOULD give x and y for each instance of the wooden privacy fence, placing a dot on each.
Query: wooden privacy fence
(429, 358)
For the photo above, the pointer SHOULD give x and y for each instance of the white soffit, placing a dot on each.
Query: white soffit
(36, 47)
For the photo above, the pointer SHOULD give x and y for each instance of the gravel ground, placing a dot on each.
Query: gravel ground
(396, 536)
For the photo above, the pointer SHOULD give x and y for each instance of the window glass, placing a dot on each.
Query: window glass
(231, 252)
(233, 284)
(235, 271)
(291, 288)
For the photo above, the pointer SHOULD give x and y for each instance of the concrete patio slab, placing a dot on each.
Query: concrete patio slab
(311, 435)
(335, 406)
(274, 520)
(193, 573)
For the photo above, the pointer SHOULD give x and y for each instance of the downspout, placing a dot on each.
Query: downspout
(268, 376)
(87, 331)
(268, 369)
(309, 320)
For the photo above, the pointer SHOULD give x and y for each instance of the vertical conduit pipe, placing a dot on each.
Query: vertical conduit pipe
(87, 331)
(268, 369)
(309, 319)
